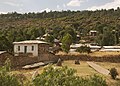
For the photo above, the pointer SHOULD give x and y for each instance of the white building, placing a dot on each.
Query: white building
(30, 47)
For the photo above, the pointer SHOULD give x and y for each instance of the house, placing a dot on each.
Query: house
(93, 33)
(111, 48)
(30, 48)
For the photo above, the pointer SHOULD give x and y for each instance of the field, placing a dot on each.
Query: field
(97, 53)
(83, 70)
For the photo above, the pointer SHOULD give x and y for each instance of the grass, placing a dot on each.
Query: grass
(109, 65)
(97, 53)
(83, 70)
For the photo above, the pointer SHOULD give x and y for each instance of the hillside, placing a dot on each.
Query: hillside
(17, 27)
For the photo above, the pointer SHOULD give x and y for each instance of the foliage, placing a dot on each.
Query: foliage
(113, 73)
(49, 39)
(66, 42)
(18, 27)
(83, 49)
(77, 62)
(7, 79)
(64, 76)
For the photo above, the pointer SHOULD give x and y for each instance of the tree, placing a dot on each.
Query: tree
(83, 49)
(66, 42)
(64, 76)
(49, 39)
(113, 73)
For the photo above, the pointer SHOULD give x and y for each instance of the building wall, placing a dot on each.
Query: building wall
(43, 52)
(29, 49)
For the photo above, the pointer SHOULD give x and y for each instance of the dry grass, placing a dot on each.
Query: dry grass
(82, 70)
(97, 53)
(104, 53)
(109, 65)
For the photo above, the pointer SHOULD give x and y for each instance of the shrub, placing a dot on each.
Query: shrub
(7, 79)
(113, 73)
(83, 49)
(77, 62)
(64, 76)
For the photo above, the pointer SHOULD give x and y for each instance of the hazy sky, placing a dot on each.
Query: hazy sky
(23, 6)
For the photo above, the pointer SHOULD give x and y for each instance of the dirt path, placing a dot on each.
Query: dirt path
(98, 68)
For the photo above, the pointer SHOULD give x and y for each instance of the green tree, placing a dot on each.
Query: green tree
(64, 76)
(66, 42)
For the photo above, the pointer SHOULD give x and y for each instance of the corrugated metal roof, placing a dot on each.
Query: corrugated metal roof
(111, 47)
(30, 42)
(1, 52)
(109, 50)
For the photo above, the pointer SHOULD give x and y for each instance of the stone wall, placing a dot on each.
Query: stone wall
(20, 61)
(3, 57)
(115, 58)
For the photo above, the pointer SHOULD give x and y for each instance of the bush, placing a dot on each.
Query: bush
(7, 79)
(83, 49)
(113, 73)
(77, 62)
(64, 76)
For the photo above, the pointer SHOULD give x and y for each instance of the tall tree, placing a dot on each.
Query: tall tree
(66, 42)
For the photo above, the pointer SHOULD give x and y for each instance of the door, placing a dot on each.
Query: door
(25, 49)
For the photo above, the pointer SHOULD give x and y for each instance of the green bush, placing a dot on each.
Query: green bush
(83, 49)
(64, 76)
(77, 62)
(113, 73)
(7, 79)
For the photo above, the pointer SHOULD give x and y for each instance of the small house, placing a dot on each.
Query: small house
(93, 33)
(31, 48)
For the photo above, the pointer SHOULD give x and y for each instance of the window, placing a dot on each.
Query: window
(32, 48)
(18, 48)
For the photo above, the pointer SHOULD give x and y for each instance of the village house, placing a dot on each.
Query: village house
(32, 48)
(93, 33)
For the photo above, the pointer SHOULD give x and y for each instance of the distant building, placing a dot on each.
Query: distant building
(93, 33)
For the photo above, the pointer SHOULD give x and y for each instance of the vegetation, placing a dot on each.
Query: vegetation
(65, 76)
(7, 79)
(18, 27)
(83, 49)
(113, 73)
(77, 62)
(66, 42)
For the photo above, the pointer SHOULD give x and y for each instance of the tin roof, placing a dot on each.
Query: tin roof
(30, 42)
(1, 52)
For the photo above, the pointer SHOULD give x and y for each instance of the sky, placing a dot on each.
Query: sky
(25, 6)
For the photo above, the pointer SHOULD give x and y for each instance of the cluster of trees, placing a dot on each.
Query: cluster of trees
(51, 76)
(65, 76)
(18, 27)
(83, 49)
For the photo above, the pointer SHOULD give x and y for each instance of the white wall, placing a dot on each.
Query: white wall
(29, 48)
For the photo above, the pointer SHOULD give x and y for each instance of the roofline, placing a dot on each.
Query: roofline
(24, 42)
